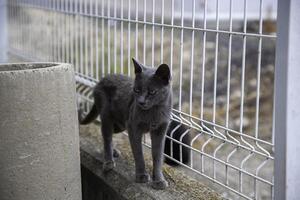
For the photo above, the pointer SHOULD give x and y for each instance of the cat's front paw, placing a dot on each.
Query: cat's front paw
(159, 185)
(108, 165)
(142, 178)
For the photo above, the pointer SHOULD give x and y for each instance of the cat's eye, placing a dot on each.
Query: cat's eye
(152, 92)
(136, 90)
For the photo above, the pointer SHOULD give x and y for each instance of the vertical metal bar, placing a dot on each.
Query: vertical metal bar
(34, 53)
(54, 31)
(41, 52)
(242, 98)
(33, 45)
(243, 84)
(14, 9)
(27, 37)
(67, 33)
(3, 31)
(243, 68)
(13, 22)
(136, 28)
(77, 35)
(72, 24)
(10, 11)
(258, 89)
(70, 34)
(63, 31)
(55, 36)
(144, 40)
(172, 37)
(181, 55)
(86, 51)
(44, 5)
(162, 32)
(115, 36)
(203, 59)
(47, 5)
(108, 37)
(216, 63)
(21, 22)
(153, 32)
(91, 20)
(21, 46)
(192, 59)
(31, 49)
(128, 38)
(23, 19)
(121, 41)
(60, 43)
(258, 71)
(287, 98)
(215, 80)
(228, 92)
(203, 76)
(19, 42)
(102, 40)
(81, 30)
(97, 42)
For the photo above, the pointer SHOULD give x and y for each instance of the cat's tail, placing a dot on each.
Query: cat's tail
(93, 114)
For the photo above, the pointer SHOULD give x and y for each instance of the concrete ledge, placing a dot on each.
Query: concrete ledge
(119, 183)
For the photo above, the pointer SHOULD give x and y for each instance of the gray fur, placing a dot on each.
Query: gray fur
(140, 106)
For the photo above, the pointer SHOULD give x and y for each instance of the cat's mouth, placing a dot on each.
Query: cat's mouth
(144, 107)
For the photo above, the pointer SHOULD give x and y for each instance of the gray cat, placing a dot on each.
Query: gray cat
(140, 105)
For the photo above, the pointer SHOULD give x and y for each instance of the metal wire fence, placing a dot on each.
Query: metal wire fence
(222, 68)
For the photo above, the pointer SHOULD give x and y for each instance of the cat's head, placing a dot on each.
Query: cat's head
(151, 85)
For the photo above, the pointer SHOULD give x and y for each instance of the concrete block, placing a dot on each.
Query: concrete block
(39, 141)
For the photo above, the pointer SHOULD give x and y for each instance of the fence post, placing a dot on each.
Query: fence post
(287, 100)
(3, 31)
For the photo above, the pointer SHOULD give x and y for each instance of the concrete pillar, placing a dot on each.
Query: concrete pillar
(39, 141)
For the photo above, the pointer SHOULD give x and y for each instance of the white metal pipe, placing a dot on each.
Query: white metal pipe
(287, 98)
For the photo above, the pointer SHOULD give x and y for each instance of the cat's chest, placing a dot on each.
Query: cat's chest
(147, 126)
(147, 121)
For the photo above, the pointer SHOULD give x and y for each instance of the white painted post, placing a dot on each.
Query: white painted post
(287, 102)
(3, 31)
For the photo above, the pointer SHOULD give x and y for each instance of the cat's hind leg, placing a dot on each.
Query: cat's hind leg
(102, 105)
(106, 129)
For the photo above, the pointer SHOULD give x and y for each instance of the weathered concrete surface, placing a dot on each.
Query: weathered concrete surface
(39, 141)
(119, 183)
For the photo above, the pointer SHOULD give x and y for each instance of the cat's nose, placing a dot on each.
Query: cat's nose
(142, 103)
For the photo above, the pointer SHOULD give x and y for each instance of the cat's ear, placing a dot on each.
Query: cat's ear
(163, 72)
(138, 68)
